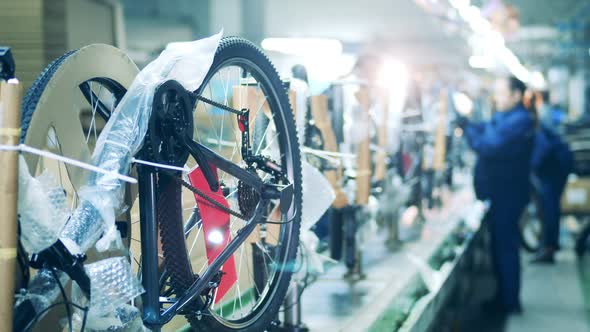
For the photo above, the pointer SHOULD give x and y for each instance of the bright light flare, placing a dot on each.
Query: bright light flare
(481, 62)
(393, 75)
(304, 46)
(215, 237)
(537, 81)
(463, 104)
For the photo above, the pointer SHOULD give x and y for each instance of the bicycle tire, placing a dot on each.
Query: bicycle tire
(70, 69)
(176, 258)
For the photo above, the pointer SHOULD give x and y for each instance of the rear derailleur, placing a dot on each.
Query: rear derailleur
(169, 141)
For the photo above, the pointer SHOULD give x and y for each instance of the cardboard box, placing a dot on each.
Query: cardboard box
(576, 196)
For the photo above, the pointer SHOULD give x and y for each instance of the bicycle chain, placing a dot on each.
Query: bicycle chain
(208, 198)
(216, 104)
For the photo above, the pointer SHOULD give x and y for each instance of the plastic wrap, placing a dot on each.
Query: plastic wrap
(101, 199)
(125, 318)
(41, 207)
(313, 261)
(42, 290)
(112, 284)
(102, 196)
(318, 195)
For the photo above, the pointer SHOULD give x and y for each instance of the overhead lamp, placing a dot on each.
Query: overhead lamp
(458, 4)
(482, 27)
(480, 62)
(463, 104)
(537, 81)
(393, 74)
(394, 77)
(326, 47)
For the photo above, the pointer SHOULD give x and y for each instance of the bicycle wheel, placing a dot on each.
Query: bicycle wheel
(241, 76)
(66, 107)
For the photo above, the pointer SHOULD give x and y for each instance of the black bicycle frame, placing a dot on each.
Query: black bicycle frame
(153, 315)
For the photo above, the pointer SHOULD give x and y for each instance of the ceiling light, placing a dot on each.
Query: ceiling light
(481, 62)
(304, 46)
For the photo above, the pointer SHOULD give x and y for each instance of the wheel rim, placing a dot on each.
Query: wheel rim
(218, 130)
(66, 121)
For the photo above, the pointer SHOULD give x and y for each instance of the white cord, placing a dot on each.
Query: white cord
(323, 153)
(149, 163)
(77, 163)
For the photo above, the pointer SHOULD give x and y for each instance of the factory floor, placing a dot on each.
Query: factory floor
(554, 297)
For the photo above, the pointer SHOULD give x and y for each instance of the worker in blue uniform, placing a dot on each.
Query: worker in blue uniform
(551, 163)
(503, 146)
(551, 115)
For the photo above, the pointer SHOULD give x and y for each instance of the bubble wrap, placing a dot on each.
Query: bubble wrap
(41, 207)
(125, 318)
(112, 284)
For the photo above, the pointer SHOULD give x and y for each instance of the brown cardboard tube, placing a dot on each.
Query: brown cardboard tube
(381, 155)
(319, 110)
(363, 178)
(10, 103)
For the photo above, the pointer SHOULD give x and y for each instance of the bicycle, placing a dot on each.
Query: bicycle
(245, 167)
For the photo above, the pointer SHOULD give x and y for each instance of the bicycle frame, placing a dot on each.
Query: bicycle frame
(152, 302)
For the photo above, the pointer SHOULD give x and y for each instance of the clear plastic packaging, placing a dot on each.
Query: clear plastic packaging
(43, 289)
(101, 199)
(112, 284)
(125, 318)
(121, 139)
(41, 207)
(318, 195)
(312, 260)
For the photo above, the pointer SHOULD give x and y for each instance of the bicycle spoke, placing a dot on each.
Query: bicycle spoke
(195, 241)
(93, 119)
(233, 87)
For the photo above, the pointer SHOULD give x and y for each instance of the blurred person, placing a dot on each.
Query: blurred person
(552, 162)
(503, 146)
(551, 115)
(580, 124)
